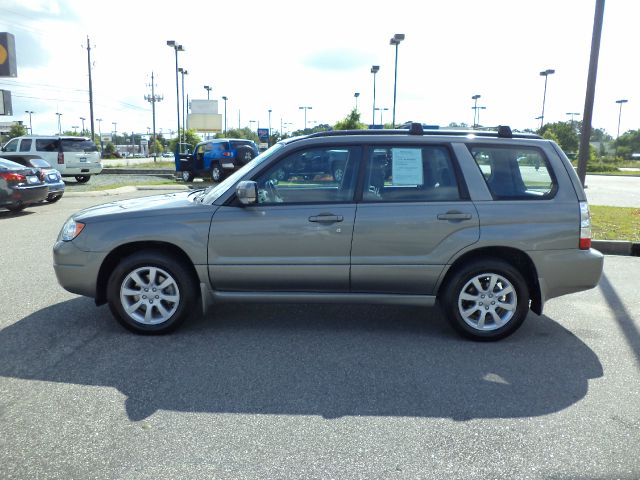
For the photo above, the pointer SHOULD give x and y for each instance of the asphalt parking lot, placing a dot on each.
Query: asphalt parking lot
(309, 391)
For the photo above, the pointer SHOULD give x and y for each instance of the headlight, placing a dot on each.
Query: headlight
(71, 230)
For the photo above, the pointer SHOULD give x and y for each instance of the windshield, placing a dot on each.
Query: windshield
(79, 145)
(213, 193)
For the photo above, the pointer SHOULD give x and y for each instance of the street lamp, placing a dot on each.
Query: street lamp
(381, 109)
(208, 89)
(115, 131)
(573, 114)
(59, 124)
(620, 102)
(356, 95)
(83, 119)
(478, 115)
(545, 74)
(184, 123)
(475, 109)
(374, 69)
(395, 40)
(30, 112)
(225, 114)
(305, 114)
(177, 48)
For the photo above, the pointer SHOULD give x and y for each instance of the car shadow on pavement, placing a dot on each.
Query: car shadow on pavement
(324, 360)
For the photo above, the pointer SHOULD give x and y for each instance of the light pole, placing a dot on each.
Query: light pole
(356, 95)
(573, 114)
(382, 109)
(115, 132)
(305, 115)
(225, 114)
(184, 123)
(545, 74)
(478, 115)
(30, 112)
(269, 137)
(620, 102)
(374, 69)
(395, 40)
(208, 89)
(475, 109)
(59, 123)
(83, 119)
(177, 48)
(99, 120)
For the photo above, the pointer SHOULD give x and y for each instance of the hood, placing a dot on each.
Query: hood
(140, 207)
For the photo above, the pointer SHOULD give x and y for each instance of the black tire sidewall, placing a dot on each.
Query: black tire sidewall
(219, 168)
(186, 286)
(82, 178)
(459, 279)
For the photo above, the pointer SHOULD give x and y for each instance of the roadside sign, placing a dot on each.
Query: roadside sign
(263, 134)
(8, 55)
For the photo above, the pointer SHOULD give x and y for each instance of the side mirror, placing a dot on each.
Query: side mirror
(247, 192)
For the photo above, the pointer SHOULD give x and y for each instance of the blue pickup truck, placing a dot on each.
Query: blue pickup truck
(214, 159)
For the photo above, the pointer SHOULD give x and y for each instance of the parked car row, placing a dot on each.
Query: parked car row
(20, 186)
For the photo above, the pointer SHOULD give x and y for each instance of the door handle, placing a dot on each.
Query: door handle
(454, 216)
(326, 218)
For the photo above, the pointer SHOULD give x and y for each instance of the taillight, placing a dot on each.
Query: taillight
(60, 158)
(41, 175)
(227, 154)
(13, 177)
(585, 226)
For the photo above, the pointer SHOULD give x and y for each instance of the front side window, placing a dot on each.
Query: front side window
(317, 175)
(515, 173)
(12, 146)
(410, 174)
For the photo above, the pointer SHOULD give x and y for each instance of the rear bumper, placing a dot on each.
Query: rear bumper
(567, 271)
(82, 169)
(56, 188)
(29, 195)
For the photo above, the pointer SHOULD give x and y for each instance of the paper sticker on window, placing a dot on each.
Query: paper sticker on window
(406, 167)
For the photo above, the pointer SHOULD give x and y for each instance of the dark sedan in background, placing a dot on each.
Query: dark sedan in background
(52, 177)
(20, 186)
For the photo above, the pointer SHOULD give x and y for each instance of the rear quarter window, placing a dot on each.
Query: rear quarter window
(83, 146)
(515, 173)
(47, 145)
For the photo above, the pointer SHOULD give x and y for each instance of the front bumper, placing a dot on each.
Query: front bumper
(76, 270)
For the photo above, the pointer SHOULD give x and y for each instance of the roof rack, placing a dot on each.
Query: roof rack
(415, 128)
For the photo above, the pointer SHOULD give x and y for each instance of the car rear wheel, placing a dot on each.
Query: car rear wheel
(486, 300)
(151, 293)
(216, 173)
(187, 176)
(16, 207)
(82, 178)
(53, 198)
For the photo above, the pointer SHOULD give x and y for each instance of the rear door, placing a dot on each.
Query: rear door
(414, 216)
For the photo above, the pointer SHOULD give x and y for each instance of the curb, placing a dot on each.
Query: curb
(617, 247)
(154, 172)
(127, 189)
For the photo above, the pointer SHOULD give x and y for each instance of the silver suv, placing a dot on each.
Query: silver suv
(488, 224)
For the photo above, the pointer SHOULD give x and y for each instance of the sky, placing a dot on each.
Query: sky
(282, 55)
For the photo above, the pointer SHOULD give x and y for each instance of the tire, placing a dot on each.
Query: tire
(245, 155)
(216, 173)
(16, 208)
(186, 176)
(53, 198)
(486, 300)
(82, 178)
(145, 272)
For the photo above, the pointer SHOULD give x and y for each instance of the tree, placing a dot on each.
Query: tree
(350, 122)
(190, 137)
(565, 133)
(628, 143)
(17, 130)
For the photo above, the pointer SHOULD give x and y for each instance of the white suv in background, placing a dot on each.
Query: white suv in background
(72, 156)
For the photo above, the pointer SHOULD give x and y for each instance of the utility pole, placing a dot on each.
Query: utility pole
(153, 98)
(90, 88)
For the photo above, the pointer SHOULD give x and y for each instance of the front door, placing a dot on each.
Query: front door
(297, 238)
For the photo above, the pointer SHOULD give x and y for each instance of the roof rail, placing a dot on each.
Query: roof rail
(415, 128)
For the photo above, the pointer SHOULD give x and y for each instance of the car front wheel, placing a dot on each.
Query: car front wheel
(187, 176)
(151, 293)
(486, 299)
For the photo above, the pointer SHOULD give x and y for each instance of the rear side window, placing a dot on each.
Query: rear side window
(25, 145)
(515, 173)
(47, 144)
(410, 174)
(80, 145)
(242, 144)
